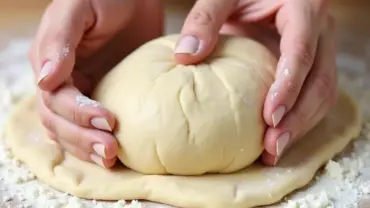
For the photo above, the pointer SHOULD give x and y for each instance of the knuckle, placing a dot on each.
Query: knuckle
(47, 100)
(80, 142)
(333, 97)
(83, 141)
(322, 7)
(300, 118)
(52, 136)
(332, 23)
(293, 88)
(75, 114)
(77, 152)
(304, 53)
(47, 123)
(324, 85)
(203, 18)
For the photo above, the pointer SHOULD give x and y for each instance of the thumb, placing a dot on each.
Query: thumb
(61, 30)
(200, 32)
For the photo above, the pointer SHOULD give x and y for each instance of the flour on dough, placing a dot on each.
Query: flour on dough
(252, 186)
(189, 120)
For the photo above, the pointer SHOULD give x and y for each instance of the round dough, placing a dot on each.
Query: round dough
(189, 120)
(256, 185)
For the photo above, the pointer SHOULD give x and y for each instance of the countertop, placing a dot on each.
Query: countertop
(20, 19)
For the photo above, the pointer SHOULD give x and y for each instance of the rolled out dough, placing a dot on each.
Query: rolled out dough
(189, 120)
(252, 186)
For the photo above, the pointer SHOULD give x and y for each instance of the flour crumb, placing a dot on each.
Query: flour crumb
(63, 53)
(82, 100)
(334, 170)
(345, 182)
(274, 96)
(287, 72)
(311, 201)
(17, 183)
(134, 204)
(120, 204)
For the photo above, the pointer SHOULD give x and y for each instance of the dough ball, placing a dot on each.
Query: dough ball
(189, 120)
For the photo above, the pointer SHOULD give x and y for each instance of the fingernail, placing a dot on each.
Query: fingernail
(278, 114)
(276, 160)
(100, 123)
(281, 142)
(100, 150)
(188, 45)
(98, 160)
(45, 71)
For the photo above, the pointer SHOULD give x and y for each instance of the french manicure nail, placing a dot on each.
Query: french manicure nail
(278, 114)
(100, 123)
(188, 45)
(281, 143)
(98, 160)
(100, 150)
(45, 71)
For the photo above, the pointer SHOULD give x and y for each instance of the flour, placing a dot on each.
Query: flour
(63, 54)
(343, 182)
(18, 185)
(82, 100)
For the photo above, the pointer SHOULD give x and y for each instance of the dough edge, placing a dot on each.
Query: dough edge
(69, 175)
(251, 77)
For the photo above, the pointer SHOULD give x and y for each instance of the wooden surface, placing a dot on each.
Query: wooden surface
(20, 18)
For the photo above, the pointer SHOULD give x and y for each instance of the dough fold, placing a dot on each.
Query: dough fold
(253, 186)
(189, 120)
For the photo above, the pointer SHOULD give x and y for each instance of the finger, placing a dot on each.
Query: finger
(200, 31)
(70, 104)
(86, 156)
(81, 154)
(298, 45)
(269, 159)
(53, 53)
(256, 10)
(51, 135)
(318, 95)
(90, 140)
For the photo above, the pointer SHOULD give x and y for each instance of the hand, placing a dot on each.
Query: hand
(76, 44)
(301, 32)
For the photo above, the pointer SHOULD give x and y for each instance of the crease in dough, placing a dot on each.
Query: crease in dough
(251, 186)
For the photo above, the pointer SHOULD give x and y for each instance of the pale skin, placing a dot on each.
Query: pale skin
(69, 56)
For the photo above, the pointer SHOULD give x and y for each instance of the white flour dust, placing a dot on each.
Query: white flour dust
(344, 181)
(19, 187)
(82, 100)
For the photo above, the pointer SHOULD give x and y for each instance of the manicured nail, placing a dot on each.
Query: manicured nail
(45, 71)
(100, 123)
(281, 143)
(278, 114)
(188, 45)
(100, 150)
(98, 160)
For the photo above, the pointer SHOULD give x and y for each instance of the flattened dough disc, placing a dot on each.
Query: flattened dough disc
(253, 186)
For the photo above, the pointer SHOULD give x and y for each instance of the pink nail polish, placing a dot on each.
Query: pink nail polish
(278, 114)
(98, 160)
(188, 45)
(45, 71)
(99, 150)
(282, 142)
(100, 123)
